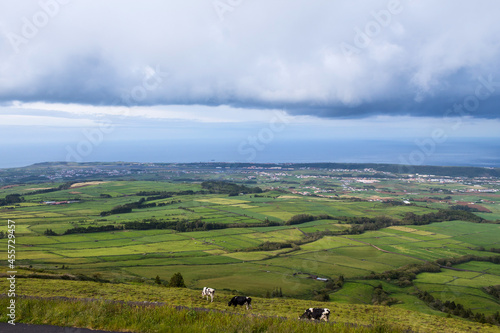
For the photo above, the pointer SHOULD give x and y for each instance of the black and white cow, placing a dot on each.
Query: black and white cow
(240, 300)
(316, 314)
(208, 292)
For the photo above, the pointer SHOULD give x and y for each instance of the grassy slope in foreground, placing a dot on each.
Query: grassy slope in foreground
(149, 319)
(105, 316)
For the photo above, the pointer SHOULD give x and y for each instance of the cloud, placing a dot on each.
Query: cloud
(328, 59)
(43, 121)
(196, 113)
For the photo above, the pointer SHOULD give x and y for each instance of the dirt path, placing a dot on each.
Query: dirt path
(305, 234)
(28, 328)
(132, 303)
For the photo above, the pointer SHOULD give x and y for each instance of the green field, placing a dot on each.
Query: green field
(232, 257)
(101, 314)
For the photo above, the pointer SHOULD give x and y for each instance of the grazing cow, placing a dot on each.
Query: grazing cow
(208, 292)
(240, 300)
(316, 314)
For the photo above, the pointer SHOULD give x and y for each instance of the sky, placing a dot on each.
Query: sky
(393, 81)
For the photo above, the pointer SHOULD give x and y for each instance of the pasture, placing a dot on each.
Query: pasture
(118, 315)
(230, 260)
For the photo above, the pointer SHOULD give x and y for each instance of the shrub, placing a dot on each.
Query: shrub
(177, 281)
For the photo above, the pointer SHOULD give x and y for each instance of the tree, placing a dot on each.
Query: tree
(177, 281)
(321, 297)
(277, 292)
(49, 232)
(157, 280)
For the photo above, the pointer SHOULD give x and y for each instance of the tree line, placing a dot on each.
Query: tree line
(457, 309)
(157, 195)
(222, 187)
(11, 199)
(359, 224)
(153, 223)
(467, 258)
(493, 291)
(209, 187)
(127, 208)
(362, 224)
(404, 276)
(15, 198)
(61, 187)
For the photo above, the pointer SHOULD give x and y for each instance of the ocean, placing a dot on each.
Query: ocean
(473, 152)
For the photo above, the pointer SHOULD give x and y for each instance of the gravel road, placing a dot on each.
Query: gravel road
(27, 328)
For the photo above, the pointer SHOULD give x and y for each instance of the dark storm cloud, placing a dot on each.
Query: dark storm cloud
(330, 59)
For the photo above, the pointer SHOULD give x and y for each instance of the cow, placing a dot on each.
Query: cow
(208, 292)
(240, 300)
(316, 314)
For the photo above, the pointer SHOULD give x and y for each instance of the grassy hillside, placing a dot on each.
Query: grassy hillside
(273, 315)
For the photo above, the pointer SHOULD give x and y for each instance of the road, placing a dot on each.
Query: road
(27, 328)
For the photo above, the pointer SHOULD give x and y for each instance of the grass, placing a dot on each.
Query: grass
(204, 256)
(151, 319)
(463, 287)
(354, 293)
(218, 258)
(267, 315)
